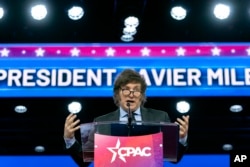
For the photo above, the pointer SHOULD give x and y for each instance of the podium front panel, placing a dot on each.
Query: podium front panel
(170, 135)
(126, 151)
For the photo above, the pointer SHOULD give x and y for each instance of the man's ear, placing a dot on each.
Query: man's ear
(117, 97)
(141, 98)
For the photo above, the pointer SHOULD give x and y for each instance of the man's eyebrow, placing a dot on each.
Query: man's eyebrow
(135, 88)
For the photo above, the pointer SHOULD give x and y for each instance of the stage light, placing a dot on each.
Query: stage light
(221, 11)
(183, 107)
(74, 107)
(39, 12)
(236, 108)
(75, 13)
(127, 38)
(131, 21)
(39, 149)
(129, 30)
(20, 109)
(1, 12)
(227, 147)
(178, 13)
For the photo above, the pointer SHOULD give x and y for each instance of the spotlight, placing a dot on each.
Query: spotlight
(178, 13)
(221, 11)
(129, 30)
(39, 149)
(227, 147)
(74, 107)
(39, 12)
(20, 109)
(236, 108)
(131, 21)
(183, 107)
(75, 13)
(1, 12)
(127, 38)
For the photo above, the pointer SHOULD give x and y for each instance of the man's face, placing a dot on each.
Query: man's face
(130, 93)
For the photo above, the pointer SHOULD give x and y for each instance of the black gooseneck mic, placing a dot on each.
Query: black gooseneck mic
(129, 119)
(129, 115)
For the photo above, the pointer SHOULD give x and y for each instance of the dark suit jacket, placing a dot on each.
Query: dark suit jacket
(148, 115)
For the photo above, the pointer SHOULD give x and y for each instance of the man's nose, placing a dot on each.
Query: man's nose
(131, 94)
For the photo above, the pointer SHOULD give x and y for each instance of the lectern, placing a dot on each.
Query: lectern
(138, 144)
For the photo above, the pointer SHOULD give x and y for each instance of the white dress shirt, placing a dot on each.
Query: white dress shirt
(124, 115)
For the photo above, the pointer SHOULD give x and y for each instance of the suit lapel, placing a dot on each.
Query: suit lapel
(144, 114)
(115, 116)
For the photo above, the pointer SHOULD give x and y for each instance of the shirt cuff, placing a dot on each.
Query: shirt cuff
(183, 140)
(69, 142)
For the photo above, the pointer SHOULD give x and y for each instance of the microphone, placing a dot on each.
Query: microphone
(129, 114)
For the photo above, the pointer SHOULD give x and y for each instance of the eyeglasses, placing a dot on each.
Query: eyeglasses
(127, 92)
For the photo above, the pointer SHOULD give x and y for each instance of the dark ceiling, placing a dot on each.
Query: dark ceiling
(103, 22)
(211, 122)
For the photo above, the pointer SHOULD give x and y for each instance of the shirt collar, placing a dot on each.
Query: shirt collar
(123, 113)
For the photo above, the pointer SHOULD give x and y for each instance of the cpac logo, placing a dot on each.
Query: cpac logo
(123, 152)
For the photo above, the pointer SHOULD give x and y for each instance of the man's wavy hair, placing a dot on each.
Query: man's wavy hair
(125, 77)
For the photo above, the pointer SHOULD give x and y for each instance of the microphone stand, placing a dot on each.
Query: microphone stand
(129, 119)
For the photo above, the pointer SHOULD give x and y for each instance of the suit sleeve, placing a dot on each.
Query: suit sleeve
(75, 151)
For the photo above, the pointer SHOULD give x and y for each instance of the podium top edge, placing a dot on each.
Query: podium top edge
(133, 123)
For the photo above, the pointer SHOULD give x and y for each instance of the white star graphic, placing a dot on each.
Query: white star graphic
(58, 52)
(180, 51)
(248, 51)
(215, 51)
(198, 51)
(110, 52)
(39, 52)
(5, 52)
(93, 52)
(75, 52)
(112, 149)
(145, 51)
(163, 51)
(128, 51)
(23, 52)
